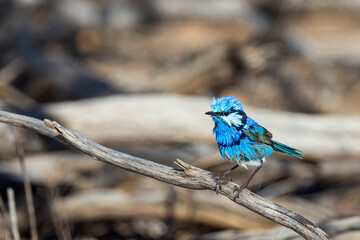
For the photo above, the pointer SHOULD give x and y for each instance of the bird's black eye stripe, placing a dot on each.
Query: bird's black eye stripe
(228, 112)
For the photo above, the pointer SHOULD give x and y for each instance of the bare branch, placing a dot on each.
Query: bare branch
(187, 177)
(12, 211)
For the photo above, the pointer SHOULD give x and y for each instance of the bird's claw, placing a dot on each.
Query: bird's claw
(239, 190)
(218, 183)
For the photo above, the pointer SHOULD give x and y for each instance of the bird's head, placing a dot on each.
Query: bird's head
(227, 109)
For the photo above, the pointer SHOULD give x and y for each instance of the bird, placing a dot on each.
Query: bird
(241, 139)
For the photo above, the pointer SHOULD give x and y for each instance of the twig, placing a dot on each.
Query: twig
(27, 187)
(187, 177)
(12, 211)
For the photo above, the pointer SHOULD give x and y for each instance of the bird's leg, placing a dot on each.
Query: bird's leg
(218, 186)
(238, 190)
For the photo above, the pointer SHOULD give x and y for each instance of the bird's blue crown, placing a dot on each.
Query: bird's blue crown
(225, 104)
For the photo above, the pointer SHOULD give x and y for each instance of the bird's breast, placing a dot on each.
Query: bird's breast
(227, 135)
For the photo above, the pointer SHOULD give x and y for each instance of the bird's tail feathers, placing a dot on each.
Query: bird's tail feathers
(286, 149)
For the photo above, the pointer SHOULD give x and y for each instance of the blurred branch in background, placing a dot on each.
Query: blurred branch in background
(27, 186)
(188, 177)
(12, 213)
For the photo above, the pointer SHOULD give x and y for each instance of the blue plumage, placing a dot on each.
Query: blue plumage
(239, 137)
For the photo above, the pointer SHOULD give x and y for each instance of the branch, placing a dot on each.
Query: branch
(187, 177)
(12, 211)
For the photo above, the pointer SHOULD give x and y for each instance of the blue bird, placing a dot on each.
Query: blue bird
(241, 139)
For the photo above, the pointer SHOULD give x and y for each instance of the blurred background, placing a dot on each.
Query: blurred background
(138, 76)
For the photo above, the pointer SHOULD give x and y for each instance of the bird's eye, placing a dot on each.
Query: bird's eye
(225, 113)
(228, 112)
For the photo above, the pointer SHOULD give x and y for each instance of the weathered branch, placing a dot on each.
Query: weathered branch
(187, 177)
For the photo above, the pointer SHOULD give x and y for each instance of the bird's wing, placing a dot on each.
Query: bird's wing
(259, 134)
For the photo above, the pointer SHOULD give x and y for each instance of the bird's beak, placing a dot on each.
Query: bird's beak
(210, 113)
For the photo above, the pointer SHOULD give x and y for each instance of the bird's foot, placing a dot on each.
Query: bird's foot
(219, 181)
(239, 190)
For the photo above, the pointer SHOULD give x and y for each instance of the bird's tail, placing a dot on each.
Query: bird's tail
(286, 149)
